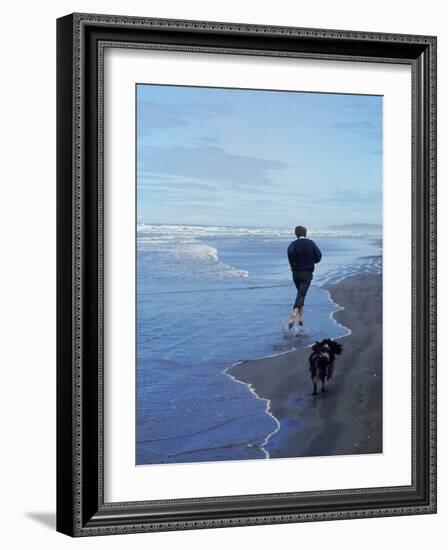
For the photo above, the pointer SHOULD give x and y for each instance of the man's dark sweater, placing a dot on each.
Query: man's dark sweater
(303, 253)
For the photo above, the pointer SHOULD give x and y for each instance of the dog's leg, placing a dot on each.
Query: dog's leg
(323, 374)
(314, 386)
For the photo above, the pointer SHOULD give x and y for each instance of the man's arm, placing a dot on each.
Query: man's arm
(291, 255)
(317, 254)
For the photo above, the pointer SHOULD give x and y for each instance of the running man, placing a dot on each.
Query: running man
(303, 253)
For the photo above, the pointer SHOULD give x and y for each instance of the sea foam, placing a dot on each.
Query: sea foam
(180, 247)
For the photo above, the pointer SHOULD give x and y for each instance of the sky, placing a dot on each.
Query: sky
(231, 157)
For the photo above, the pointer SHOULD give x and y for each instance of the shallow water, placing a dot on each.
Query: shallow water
(207, 298)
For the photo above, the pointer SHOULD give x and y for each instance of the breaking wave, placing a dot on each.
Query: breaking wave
(178, 247)
(197, 231)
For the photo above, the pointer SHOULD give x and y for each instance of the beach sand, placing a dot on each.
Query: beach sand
(348, 418)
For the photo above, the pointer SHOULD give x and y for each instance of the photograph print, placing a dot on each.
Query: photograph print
(258, 274)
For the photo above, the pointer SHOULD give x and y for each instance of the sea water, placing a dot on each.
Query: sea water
(208, 297)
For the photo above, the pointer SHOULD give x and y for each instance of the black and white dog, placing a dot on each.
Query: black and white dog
(322, 361)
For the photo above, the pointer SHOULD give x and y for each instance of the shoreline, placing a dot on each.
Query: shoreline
(267, 410)
(348, 418)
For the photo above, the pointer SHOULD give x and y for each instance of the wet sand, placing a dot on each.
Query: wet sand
(348, 418)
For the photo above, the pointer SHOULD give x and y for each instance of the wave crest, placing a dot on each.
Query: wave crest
(183, 250)
(197, 231)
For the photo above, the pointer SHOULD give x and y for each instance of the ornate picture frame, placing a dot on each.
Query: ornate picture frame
(81, 506)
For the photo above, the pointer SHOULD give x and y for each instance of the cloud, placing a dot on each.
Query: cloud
(160, 116)
(210, 164)
(358, 125)
(366, 128)
(349, 197)
(210, 139)
(360, 116)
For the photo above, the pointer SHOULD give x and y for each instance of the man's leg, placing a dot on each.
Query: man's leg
(295, 311)
(296, 306)
(305, 281)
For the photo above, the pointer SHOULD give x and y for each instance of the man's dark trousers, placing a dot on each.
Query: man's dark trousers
(302, 280)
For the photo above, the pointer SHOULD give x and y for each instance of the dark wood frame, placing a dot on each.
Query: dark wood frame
(81, 510)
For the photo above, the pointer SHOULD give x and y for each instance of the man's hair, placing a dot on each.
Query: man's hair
(300, 231)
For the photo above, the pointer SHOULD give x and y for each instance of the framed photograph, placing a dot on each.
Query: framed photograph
(246, 274)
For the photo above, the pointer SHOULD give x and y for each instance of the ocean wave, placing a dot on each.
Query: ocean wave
(191, 247)
(363, 265)
(154, 231)
(175, 248)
